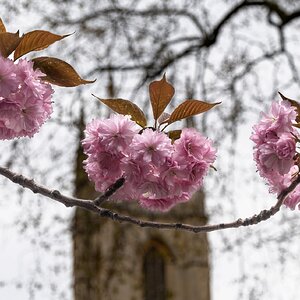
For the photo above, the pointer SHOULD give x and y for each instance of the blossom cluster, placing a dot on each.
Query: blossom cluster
(25, 101)
(275, 149)
(157, 172)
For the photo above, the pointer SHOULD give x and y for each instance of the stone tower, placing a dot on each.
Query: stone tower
(115, 261)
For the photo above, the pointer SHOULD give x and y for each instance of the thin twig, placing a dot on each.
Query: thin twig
(91, 206)
(110, 191)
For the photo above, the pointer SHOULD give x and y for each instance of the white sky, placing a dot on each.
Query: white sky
(246, 261)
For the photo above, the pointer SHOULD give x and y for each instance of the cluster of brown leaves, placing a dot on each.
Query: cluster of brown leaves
(57, 71)
(161, 93)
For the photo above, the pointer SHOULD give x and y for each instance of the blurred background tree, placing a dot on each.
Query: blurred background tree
(239, 52)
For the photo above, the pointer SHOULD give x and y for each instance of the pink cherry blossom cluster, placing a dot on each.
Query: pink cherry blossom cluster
(275, 149)
(25, 101)
(157, 173)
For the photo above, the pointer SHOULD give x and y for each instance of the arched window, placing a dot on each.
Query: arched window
(154, 274)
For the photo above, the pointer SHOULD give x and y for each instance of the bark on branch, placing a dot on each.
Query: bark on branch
(90, 205)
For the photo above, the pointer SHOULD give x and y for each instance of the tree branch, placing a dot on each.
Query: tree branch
(91, 206)
(132, 13)
(206, 39)
(110, 191)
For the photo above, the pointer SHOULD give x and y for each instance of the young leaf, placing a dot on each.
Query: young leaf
(126, 107)
(163, 118)
(174, 135)
(161, 92)
(9, 42)
(189, 108)
(2, 26)
(294, 103)
(36, 40)
(58, 72)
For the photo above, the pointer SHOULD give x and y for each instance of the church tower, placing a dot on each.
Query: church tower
(114, 261)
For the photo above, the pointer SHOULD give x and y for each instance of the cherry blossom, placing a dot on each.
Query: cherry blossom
(158, 173)
(25, 100)
(275, 149)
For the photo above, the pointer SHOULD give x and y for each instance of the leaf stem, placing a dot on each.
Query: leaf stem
(165, 127)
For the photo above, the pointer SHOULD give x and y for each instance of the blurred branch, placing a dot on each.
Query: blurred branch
(132, 13)
(91, 206)
(207, 37)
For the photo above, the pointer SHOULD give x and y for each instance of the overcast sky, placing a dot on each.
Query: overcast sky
(260, 262)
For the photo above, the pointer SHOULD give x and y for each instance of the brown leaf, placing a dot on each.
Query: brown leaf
(9, 42)
(294, 103)
(2, 26)
(36, 40)
(190, 108)
(58, 72)
(126, 107)
(161, 92)
(174, 135)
